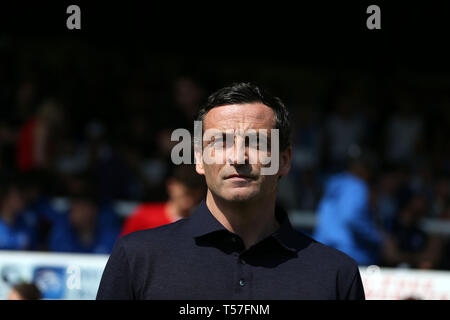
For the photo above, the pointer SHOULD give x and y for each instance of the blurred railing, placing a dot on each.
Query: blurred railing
(57, 275)
(307, 219)
(299, 219)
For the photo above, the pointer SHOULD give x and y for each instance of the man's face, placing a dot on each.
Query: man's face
(228, 179)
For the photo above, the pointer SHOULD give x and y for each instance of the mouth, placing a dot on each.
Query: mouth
(239, 177)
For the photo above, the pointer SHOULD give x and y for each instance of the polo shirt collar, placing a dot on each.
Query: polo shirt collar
(286, 235)
(203, 222)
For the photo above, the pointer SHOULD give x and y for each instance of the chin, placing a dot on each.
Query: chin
(241, 196)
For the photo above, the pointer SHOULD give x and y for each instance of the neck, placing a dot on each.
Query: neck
(252, 220)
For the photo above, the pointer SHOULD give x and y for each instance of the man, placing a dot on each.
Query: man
(345, 218)
(81, 229)
(236, 245)
(17, 225)
(25, 291)
(185, 189)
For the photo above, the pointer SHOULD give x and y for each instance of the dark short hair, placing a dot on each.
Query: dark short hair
(246, 92)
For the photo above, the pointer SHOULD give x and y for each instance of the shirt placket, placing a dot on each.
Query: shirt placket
(243, 275)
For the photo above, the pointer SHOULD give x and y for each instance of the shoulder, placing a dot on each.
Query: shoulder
(354, 185)
(324, 256)
(140, 249)
(161, 236)
(334, 267)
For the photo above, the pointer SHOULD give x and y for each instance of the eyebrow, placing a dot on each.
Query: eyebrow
(224, 135)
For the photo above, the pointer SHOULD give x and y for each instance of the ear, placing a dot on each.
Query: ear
(285, 162)
(199, 162)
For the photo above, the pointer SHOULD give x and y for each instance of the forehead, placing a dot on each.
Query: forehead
(242, 116)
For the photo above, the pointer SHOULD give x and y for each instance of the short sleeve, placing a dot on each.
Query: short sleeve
(116, 282)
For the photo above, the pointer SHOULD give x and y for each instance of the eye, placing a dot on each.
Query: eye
(252, 141)
(219, 139)
(263, 140)
(229, 137)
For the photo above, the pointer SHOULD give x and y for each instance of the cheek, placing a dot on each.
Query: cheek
(268, 182)
(212, 174)
(214, 154)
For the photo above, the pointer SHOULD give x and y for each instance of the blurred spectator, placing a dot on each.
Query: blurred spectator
(85, 184)
(412, 298)
(299, 190)
(421, 179)
(39, 209)
(25, 291)
(185, 189)
(390, 180)
(188, 95)
(17, 226)
(8, 137)
(72, 158)
(80, 230)
(404, 129)
(445, 255)
(25, 96)
(441, 196)
(305, 160)
(407, 244)
(37, 137)
(345, 127)
(307, 138)
(345, 220)
(115, 165)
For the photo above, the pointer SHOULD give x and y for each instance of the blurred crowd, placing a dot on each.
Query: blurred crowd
(93, 127)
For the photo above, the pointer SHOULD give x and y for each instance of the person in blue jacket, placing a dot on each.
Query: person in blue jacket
(79, 230)
(17, 225)
(344, 217)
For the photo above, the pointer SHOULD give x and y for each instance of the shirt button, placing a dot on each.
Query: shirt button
(242, 282)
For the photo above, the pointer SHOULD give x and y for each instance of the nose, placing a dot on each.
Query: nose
(237, 153)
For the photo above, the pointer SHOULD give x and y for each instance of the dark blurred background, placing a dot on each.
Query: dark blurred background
(86, 118)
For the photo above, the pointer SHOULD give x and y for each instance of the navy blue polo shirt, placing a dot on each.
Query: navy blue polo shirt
(198, 258)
